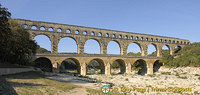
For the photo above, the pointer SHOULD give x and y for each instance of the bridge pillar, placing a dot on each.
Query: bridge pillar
(128, 68)
(159, 51)
(104, 49)
(81, 47)
(83, 69)
(55, 68)
(144, 51)
(171, 50)
(107, 69)
(150, 67)
(54, 44)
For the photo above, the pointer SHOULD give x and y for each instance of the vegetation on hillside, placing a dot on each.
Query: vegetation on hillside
(187, 56)
(42, 50)
(15, 45)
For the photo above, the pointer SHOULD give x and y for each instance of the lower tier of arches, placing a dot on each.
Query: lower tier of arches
(101, 65)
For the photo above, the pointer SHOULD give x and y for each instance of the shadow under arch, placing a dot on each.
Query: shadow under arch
(140, 66)
(119, 63)
(70, 65)
(119, 45)
(44, 64)
(99, 43)
(70, 37)
(157, 65)
(94, 65)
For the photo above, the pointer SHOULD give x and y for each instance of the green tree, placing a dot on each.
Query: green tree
(187, 56)
(134, 54)
(4, 33)
(15, 45)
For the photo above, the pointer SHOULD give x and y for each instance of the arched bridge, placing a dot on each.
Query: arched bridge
(80, 34)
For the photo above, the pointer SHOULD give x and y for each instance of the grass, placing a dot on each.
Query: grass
(32, 83)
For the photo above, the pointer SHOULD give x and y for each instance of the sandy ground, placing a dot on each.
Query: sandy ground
(174, 81)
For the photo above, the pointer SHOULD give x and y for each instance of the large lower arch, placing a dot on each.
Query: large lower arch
(119, 63)
(140, 66)
(96, 66)
(134, 49)
(152, 50)
(44, 42)
(92, 46)
(67, 45)
(156, 66)
(44, 64)
(114, 47)
(70, 65)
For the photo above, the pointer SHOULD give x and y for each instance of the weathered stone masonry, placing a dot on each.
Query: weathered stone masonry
(80, 34)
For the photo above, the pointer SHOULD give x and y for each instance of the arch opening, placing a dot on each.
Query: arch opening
(70, 66)
(44, 44)
(139, 67)
(50, 29)
(113, 47)
(152, 50)
(118, 67)
(96, 66)
(44, 64)
(67, 45)
(33, 27)
(42, 28)
(156, 66)
(92, 46)
(165, 50)
(177, 49)
(134, 49)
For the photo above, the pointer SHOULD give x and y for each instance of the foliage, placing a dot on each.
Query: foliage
(134, 54)
(42, 50)
(187, 56)
(115, 64)
(15, 45)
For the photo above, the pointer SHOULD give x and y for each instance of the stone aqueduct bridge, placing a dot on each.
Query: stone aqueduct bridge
(81, 34)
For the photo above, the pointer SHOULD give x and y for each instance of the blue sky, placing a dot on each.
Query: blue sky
(173, 18)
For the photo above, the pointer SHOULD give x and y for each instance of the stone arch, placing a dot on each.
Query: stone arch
(44, 64)
(99, 43)
(34, 27)
(76, 46)
(42, 28)
(156, 66)
(122, 65)
(137, 45)
(71, 62)
(100, 65)
(50, 29)
(140, 66)
(166, 47)
(154, 53)
(120, 48)
(177, 48)
(25, 26)
(42, 41)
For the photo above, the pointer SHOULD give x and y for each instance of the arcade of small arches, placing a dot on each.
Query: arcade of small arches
(148, 66)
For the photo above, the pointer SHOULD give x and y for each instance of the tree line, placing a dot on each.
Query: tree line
(15, 45)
